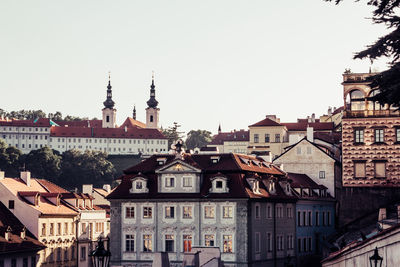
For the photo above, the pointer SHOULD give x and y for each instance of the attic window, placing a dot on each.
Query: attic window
(218, 184)
(11, 204)
(139, 185)
(214, 160)
(161, 161)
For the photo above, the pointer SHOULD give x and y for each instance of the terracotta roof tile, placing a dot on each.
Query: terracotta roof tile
(235, 136)
(132, 123)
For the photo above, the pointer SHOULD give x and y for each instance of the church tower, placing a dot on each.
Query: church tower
(152, 112)
(109, 112)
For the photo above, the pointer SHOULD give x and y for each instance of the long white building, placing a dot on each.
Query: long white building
(132, 137)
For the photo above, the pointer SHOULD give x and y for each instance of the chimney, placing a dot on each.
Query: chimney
(2, 175)
(23, 233)
(7, 234)
(310, 134)
(382, 214)
(313, 117)
(308, 119)
(107, 187)
(26, 177)
(330, 111)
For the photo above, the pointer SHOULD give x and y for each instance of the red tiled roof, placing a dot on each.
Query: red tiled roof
(234, 167)
(16, 244)
(131, 123)
(220, 138)
(51, 187)
(45, 122)
(301, 180)
(138, 133)
(302, 126)
(266, 122)
(83, 123)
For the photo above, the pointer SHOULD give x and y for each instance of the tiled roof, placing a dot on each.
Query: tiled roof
(16, 185)
(235, 167)
(83, 123)
(132, 123)
(302, 126)
(51, 187)
(101, 191)
(301, 180)
(15, 244)
(137, 133)
(44, 122)
(266, 122)
(331, 137)
(235, 136)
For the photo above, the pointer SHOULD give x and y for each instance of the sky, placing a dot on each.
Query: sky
(228, 62)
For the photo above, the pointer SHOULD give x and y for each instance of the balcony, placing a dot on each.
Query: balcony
(371, 113)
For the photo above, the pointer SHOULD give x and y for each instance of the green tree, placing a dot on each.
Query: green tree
(90, 167)
(44, 163)
(10, 159)
(172, 134)
(387, 46)
(197, 138)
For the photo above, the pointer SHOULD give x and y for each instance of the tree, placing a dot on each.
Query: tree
(387, 46)
(197, 138)
(10, 159)
(172, 134)
(44, 163)
(90, 167)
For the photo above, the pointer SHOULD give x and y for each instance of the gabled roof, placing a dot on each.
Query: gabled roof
(132, 123)
(266, 122)
(235, 136)
(16, 244)
(301, 180)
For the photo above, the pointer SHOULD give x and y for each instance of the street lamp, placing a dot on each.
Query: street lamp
(100, 256)
(376, 260)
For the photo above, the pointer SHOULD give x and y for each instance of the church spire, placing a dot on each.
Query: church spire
(109, 103)
(134, 112)
(152, 103)
(219, 128)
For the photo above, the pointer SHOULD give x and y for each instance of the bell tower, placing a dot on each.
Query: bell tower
(152, 112)
(109, 112)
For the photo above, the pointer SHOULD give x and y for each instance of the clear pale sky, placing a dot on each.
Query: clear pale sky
(215, 61)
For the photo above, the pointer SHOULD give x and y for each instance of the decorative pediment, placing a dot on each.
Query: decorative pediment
(188, 229)
(139, 184)
(169, 229)
(147, 228)
(129, 228)
(178, 166)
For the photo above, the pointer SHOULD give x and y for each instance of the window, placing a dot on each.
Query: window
(147, 212)
(257, 211)
(298, 150)
(299, 218)
(209, 212)
(169, 212)
(279, 212)
(169, 182)
(129, 243)
(256, 140)
(397, 134)
(321, 174)
(379, 136)
(304, 218)
(130, 212)
(359, 169)
(83, 253)
(43, 233)
(13, 262)
(209, 240)
(309, 244)
(266, 138)
(357, 100)
(51, 228)
(257, 242)
(305, 244)
(187, 243)
(59, 254)
(269, 242)
(218, 184)
(147, 243)
(33, 262)
(290, 244)
(299, 244)
(328, 218)
(380, 169)
(72, 252)
(227, 212)
(309, 150)
(279, 242)
(25, 262)
(151, 118)
(66, 228)
(99, 227)
(187, 212)
(289, 212)
(317, 218)
(359, 136)
(277, 138)
(58, 228)
(139, 185)
(72, 228)
(187, 181)
(309, 218)
(269, 211)
(11, 204)
(169, 243)
(323, 219)
(107, 118)
(227, 239)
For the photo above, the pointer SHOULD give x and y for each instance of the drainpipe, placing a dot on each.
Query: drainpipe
(275, 254)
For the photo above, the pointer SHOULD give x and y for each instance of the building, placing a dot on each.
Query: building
(49, 219)
(315, 218)
(240, 204)
(18, 246)
(315, 160)
(271, 136)
(132, 137)
(98, 194)
(231, 142)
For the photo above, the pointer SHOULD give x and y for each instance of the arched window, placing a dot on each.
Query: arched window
(357, 100)
(151, 118)
(374, 105)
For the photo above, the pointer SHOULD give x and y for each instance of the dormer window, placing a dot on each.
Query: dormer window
(219, 185)
(161, 161)
(139, 185)
(254, 184)
(271, 187)
(215, 160)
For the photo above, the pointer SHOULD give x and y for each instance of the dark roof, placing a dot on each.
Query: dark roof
(138, 133)
(331, 137)
(235, 167)
(16, 244)
(220, 138)
(212, 149)
(302, 126)
(301, 180)
(266, 122)
(83, 123)
(44, 122)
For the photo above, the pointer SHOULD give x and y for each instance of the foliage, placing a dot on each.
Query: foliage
(387, 46)
(172, 134)
(35, 114)
(9, 159)
(89, 167)
(197, 138)
(44, 163)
